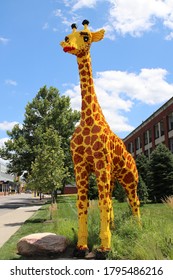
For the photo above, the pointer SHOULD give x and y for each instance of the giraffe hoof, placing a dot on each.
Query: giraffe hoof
(101, 254)
(80, 253)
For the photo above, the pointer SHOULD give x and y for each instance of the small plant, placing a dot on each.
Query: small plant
(168, 201)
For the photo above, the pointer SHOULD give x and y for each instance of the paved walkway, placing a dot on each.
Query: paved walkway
(11, 222)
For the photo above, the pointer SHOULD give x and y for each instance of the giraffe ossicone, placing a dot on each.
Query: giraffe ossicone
(95, 148)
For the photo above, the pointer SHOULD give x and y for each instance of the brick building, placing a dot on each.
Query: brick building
(158, 128)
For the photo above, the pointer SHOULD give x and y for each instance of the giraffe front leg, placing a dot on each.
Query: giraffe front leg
(103, 181)
(82, 208)
(82, 205)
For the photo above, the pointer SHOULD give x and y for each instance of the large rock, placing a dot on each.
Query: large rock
(41, 244)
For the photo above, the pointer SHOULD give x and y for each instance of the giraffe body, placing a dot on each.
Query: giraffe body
(95, 148)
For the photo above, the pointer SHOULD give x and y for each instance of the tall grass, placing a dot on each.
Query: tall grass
(154, 241)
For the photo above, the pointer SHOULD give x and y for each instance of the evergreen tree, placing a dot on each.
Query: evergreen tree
(161, 173)
(142, 191)
(119, 192)
(142, 163)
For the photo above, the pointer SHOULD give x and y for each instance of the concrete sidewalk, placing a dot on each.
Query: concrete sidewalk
(10, 222)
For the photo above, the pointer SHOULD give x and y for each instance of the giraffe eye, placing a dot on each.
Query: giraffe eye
(66, 39)
(86, 38)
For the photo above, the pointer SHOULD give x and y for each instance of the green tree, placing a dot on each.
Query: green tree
(142, 191)
(161, 173)
(47, 109)
(47, 170)
(142, 163)
(93, 189)
(119, 192)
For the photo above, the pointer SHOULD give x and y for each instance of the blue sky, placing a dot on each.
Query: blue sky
(132, 65)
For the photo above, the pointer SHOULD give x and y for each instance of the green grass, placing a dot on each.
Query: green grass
(153, 242)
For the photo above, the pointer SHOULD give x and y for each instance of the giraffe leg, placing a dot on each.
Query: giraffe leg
(103, 182)
(112, 224)
(131, 190)
(82, 208)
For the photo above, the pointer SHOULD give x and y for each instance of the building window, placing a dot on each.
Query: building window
(150, 135)
(131, 147)
(161, 128)
(138, 143)
(171, 144)
(146, 137)
(156, 130)
(170, 122)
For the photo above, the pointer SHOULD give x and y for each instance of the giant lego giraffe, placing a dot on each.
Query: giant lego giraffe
(95, 148)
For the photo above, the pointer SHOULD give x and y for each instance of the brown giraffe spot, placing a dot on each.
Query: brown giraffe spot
(97, 146)
(98, 155)
(88, 112)
(83, 191)
(103, 138)
(86, 131)
(89, 121)
(78, 129)
(82, 117)
(78, 139)
(90, 81)
(96, 129)
(81, 66)
(100, 164)
(118, 150)
(83, 197)
(121, 163)
(72, 145)
(83, 92)
(101, 196)
(90, 159)
(80, 150)
(97, 117)
(83, 183)
(83, 73)
(88, 99)
(78, 169)
(93, 139)
(128, 178)
(87, 140)
(88, 151)
(84, 80)
(94, 107)
(84, 105)
(77, 159)
(81, 205)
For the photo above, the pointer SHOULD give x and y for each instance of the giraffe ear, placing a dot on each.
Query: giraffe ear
(98, 35)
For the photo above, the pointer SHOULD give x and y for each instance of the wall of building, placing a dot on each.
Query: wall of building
(158, 128)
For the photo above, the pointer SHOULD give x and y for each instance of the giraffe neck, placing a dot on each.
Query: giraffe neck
(90, 109)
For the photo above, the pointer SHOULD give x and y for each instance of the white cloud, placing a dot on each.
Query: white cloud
(117, 91)
(58, 13)
(136, 17)
(3, 40)
(7, 125)
(45, 26)
(78, 4)
(2, 141)
(11, 82)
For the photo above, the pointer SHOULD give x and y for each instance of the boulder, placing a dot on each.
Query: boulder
(42, 244)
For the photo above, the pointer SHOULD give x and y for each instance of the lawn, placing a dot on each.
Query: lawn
(153, 242)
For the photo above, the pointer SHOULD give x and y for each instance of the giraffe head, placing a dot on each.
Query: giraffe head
(79, 42)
